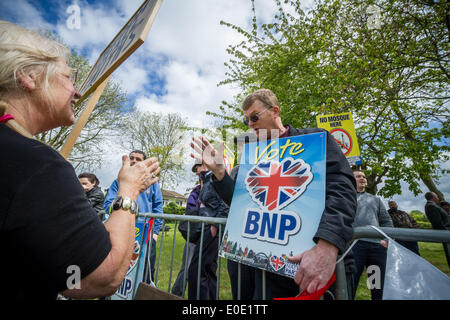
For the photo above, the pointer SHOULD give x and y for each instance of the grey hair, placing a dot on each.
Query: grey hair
(22, 50)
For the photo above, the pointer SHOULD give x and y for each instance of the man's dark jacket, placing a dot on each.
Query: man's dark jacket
(340, 195)
(437, 216)
(214, 205)
(97, 198)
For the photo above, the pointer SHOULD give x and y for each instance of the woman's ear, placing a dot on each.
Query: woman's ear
(28, 79)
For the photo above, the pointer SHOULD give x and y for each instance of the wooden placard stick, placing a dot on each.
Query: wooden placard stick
(82, 120)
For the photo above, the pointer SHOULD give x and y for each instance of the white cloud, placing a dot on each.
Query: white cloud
(189, 92)
(190, 31)
(99, 25)
(131, 75)
(24, 14)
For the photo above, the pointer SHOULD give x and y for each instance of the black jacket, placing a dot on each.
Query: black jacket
(213, 203)
(97, 198)
(437, 216)
(340, 196)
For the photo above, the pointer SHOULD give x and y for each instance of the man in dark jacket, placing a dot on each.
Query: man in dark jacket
(179, 286)
(401, 219)
(89, 182)
(438, 217)
(209, 204)
(262, 114)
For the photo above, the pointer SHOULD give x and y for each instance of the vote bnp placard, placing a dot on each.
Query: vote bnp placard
(135, 272)
(277, 202)
(341, 127)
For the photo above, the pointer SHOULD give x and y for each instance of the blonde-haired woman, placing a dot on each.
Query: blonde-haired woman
(50, 237)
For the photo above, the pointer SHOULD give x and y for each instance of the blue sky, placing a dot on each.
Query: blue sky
(178, 67)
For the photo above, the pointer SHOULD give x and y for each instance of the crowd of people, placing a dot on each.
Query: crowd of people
(52, 219)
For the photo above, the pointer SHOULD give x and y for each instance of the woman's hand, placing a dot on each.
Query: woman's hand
(136, 179)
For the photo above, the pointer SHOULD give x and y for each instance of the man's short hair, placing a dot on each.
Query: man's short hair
(429, 195)
(266, 96)
(90, 176)
(140, 152)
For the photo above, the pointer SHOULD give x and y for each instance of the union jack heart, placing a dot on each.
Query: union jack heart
(277, 263)
(274, 185)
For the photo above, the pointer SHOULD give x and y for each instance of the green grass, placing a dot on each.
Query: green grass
(162, 275)
(432, 252)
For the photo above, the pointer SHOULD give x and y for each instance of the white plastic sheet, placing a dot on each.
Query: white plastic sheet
(410, 277)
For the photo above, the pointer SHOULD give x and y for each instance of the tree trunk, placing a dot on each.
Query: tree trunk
(432, 186)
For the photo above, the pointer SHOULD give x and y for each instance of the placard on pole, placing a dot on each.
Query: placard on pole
(342, 128)
(130, 37)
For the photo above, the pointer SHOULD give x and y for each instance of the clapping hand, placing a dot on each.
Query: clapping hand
(139, 177)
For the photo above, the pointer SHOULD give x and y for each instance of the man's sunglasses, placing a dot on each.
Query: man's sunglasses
(254, 117)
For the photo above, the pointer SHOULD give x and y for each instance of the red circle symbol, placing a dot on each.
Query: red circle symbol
(343, 139)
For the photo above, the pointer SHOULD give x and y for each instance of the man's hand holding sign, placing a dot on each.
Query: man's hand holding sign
(316, 266)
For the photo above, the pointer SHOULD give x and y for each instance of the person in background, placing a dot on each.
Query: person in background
(149, 200)
(49, 231)
(438, 217)
(446, 206)
(179, 286)
(369, 252)
(90, 184)
(209, 204)
(401, 219)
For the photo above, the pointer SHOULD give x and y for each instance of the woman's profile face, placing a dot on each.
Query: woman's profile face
(64, 94)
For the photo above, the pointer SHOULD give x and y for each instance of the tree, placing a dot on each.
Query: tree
(395, 79)
(102, 123)
(160, 136)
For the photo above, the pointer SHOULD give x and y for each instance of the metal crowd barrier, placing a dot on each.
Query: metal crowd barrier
(439, 236)
(191, 219)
